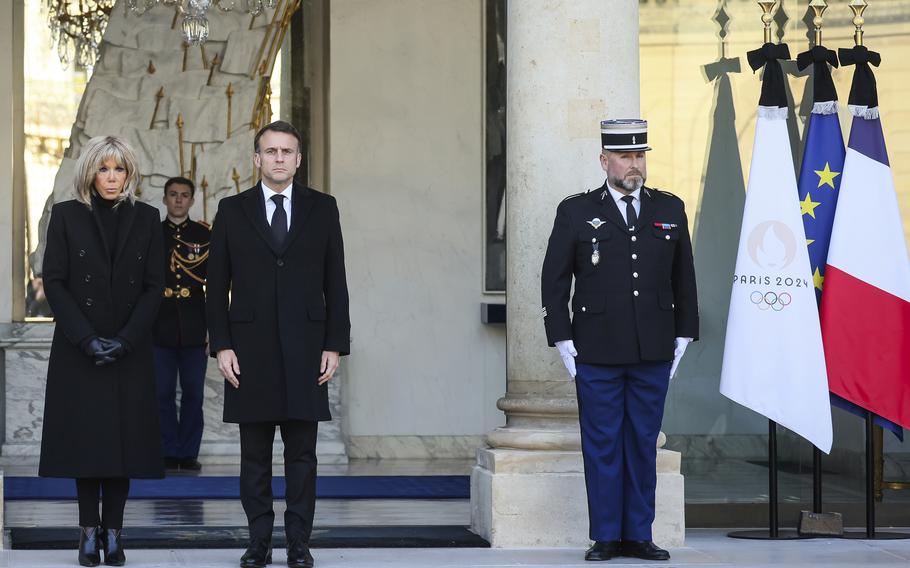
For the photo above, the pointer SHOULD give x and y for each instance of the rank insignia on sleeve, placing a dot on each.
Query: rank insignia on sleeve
(666, 226)
(595, 222)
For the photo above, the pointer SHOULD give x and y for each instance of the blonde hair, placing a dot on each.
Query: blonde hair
(95, 153)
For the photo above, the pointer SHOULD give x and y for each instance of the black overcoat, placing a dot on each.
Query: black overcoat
(640, 294)
(102, 421)
(287, 304)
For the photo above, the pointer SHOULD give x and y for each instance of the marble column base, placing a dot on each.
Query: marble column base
(522, 498)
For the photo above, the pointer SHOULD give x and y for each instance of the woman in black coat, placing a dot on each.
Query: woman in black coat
(103, 276)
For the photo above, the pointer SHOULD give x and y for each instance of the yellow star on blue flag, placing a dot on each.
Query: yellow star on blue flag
(826, 176)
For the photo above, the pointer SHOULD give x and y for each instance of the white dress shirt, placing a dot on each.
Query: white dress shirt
(636, 202)
(267, 193)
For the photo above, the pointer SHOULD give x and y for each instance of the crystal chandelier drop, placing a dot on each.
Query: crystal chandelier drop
(77, 27)
(195, 24)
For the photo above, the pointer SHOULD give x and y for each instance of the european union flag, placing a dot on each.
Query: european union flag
(819, 183)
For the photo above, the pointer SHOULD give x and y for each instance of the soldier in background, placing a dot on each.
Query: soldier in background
(180, 330)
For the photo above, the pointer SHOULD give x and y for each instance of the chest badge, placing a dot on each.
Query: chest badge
(595, 222)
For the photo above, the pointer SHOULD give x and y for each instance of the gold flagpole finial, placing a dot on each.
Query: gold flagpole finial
(858, 7)
(767, 6)
(215, 62)
(158, 96)
(205, 205)
(229, 92)
(179, 124)
(236, 177)
(818, 7)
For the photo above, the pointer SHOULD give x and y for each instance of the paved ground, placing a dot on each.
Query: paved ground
(708, 548)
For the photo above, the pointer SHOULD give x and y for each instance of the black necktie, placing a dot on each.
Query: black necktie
(631, 217)
(279, 220)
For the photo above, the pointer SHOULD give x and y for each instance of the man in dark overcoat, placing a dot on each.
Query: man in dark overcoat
(634, 311)
(277, 248)
(180, 332)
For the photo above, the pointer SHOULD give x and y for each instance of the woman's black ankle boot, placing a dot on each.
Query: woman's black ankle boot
(90, 546)
(113, 550)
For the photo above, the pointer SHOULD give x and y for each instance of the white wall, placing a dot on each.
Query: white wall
(406, 165)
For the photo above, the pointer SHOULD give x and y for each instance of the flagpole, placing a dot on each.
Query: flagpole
(818, 7)
(773, 532)
(773, 524)
(858, 7)
(870, 476)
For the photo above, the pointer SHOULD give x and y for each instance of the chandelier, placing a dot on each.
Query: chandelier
(76, 27)
(195, 24)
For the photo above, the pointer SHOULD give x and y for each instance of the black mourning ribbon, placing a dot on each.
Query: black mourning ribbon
(823, 85)
(863, 91)
(773, 88)
(279, 220)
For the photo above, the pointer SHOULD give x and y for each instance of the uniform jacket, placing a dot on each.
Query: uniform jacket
(287, 304)
(102, 421)
(181, 317)
(629, 306)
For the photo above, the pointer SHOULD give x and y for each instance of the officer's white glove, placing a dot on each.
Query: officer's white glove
(568, 353)
(681, 344)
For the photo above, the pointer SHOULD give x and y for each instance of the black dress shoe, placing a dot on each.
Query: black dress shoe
(171, 464)
(299, 555)
(258, 554)
(603, 550)
(644, 549)
(90, 546)
(190, 464)
(113, 550)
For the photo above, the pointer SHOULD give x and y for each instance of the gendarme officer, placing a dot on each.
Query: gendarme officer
(634, 310)
(180, 331)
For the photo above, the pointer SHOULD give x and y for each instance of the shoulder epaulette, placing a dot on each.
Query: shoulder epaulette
(575, 195)
(663, 192)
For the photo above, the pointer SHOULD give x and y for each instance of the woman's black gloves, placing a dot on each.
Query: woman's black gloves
(103, 350)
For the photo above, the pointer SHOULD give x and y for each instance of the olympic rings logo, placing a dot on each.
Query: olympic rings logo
(771, 300)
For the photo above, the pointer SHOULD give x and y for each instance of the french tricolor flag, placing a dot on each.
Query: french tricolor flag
(865, 310)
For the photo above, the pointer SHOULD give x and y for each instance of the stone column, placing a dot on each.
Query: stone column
(569, 64)
(12, 137)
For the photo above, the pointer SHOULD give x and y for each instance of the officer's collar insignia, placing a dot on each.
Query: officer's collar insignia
(595, 222)
(666, 226)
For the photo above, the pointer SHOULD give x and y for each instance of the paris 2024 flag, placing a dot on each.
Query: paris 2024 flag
(774, 361)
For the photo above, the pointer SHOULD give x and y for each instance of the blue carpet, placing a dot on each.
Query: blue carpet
(228, 487)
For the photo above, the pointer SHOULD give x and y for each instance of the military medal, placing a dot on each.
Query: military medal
(595, 253)
(596, 223)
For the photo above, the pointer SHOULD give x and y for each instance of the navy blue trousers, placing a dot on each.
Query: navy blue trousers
(620, 408)
(180, 438)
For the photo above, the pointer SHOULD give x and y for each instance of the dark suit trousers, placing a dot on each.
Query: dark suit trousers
(299, 439)
(180, 439)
